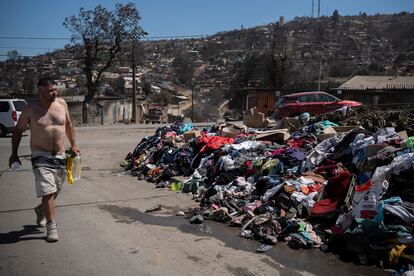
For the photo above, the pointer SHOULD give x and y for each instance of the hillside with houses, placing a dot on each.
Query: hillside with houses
(303, 54)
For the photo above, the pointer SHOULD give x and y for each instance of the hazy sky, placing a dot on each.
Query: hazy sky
(164, 18)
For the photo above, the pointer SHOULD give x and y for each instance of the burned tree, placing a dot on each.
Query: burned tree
(100, 33)
(278, 59)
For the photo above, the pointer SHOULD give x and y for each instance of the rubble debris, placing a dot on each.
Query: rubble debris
(372, 119)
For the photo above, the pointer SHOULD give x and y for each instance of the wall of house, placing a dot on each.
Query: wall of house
(103, 111)
(378, 97)
(75, 110)
(115, 111)
(263, 100)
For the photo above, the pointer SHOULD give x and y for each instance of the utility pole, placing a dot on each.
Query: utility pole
(320, 73)
(134, 86)
(313, 4)
(178, 104)
(319, 8)
(192, 102)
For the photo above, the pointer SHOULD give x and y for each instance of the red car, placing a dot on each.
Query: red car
(313, 102)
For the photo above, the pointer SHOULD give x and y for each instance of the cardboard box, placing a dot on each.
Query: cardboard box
(253, 118)
(273, 135)
(191, 134)
(345, 128)
(329, 130)
(291, 123)
(270, 123)
(403, 134)
(230, 132)
(332, 131)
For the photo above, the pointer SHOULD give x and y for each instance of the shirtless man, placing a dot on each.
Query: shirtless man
(49, 121)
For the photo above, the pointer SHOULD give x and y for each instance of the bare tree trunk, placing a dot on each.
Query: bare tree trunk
(85, 109)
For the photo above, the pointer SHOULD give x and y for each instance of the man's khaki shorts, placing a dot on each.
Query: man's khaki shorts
(48, 181)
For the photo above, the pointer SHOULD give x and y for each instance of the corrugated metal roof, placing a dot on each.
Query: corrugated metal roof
(378, 82)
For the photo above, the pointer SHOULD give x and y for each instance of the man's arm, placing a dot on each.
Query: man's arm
(70, 130)
(17, 134)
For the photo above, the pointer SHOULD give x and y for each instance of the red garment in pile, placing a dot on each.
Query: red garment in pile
(334, 194)
(211, 143)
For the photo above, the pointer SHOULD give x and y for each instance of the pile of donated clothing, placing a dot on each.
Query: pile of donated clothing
(351, 193)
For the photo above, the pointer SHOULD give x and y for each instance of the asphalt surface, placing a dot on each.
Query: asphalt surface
(104, 229)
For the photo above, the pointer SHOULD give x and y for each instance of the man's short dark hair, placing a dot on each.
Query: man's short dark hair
(45, 82)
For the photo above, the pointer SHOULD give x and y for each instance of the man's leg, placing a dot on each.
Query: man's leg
(48, 203)
(40, 216)
(44, 180)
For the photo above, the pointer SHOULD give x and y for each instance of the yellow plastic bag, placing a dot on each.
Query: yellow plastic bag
(69, 168)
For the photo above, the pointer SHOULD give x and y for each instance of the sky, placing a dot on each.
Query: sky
(165, 18)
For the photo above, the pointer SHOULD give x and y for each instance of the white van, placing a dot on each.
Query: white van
(10, 110)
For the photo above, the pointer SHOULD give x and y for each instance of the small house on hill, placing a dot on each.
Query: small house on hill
(262, 98)
(378, 90)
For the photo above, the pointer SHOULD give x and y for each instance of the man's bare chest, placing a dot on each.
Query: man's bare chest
(52, 117)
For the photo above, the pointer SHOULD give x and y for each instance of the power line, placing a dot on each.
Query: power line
(30, 48)
(175, 36)
(35, 38)
(1, 55)
(69, 38)
(43, 56)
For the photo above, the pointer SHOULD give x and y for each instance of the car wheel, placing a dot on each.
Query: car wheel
(3, 131)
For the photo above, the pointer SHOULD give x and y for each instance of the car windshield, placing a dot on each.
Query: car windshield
(19, 105)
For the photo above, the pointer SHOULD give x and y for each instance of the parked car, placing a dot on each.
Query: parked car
(10, 110)
(155, 116)
(312, 102)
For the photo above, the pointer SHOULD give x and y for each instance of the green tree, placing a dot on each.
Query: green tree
(101, 34)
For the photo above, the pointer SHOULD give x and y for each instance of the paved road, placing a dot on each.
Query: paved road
(104, 229)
